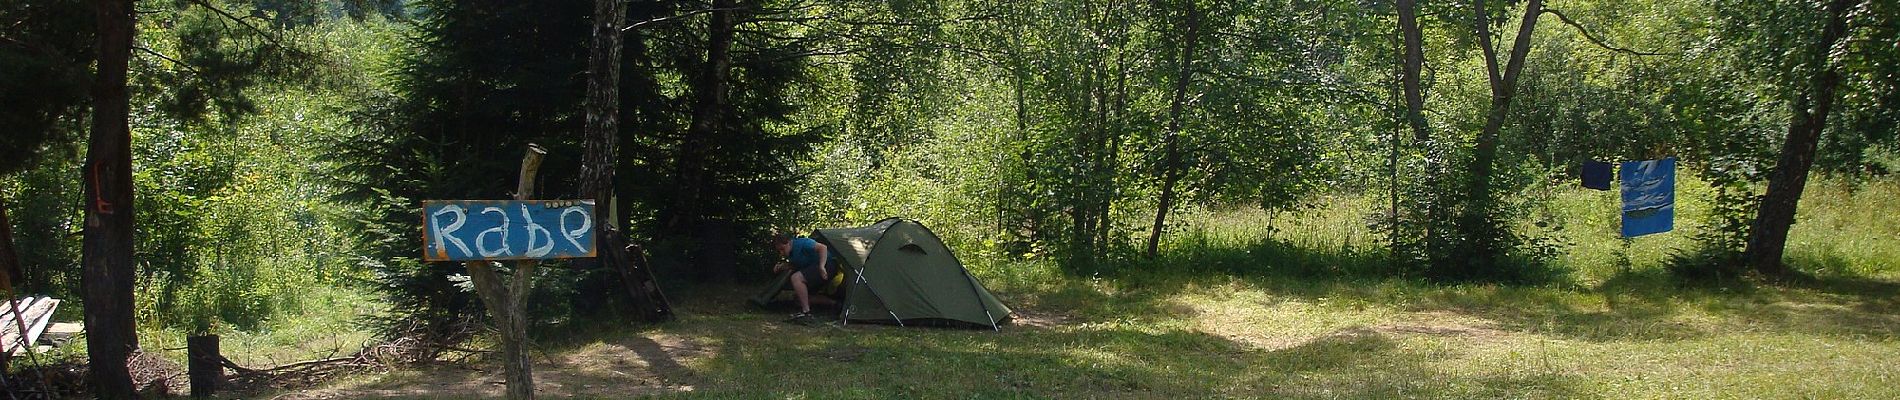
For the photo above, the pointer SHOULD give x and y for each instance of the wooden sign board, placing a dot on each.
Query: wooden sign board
(466, 230)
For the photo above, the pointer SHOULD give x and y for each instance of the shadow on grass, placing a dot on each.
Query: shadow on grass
(1082, 361)
(1641, 305)
(722, 348)
(1127, 339)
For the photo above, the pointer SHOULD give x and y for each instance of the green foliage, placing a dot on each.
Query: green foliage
(233, 223)
(478, 81)
(276, 160)
(233, 229)
(471, 87)
(1056, 137)
(700, 194)
(46, 226)
(44, 52)
(1869, 97)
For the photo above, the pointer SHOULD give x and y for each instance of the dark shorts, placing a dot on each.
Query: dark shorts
(814, 279)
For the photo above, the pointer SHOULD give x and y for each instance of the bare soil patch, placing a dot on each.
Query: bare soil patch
(629, 367)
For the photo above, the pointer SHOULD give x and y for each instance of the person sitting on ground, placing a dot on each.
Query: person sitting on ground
(811, 266)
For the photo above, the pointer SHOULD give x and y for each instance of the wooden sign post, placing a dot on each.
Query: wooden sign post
(481, 232)
(478, 232)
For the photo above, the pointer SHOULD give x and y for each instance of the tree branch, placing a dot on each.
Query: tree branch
(1596, 40)
(267, 36)
(187, 67)
(637, 25)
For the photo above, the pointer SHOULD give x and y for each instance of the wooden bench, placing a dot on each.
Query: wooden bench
(32, 313)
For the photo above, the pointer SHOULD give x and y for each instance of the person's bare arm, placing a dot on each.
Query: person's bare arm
(824, 255)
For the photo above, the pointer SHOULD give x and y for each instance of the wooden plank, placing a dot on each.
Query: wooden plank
(8, 323)
(6, 310)
(39, 325)
(63, 330)
(468, 230)
(35, 316)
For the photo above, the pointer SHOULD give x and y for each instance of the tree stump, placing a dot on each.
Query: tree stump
(205, 365)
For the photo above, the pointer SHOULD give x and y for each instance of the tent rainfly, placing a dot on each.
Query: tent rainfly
(897, 271)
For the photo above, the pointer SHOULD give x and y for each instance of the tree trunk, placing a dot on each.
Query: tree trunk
(603, 141)
(106, 255)
(603, 126)
(603, 110)
(204, 365)
(509, 305)
(1503, 88)
(1413, 62)
(517, 367)
(1769, 237)
(708, 113)
(9, 259)
(1171, 168)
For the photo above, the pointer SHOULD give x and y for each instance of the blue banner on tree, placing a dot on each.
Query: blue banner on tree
(463, 230)
(1649, 196)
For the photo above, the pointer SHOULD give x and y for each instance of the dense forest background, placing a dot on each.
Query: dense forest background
(280, 149)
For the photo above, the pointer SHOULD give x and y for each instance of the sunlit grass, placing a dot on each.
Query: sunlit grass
(1249, 305)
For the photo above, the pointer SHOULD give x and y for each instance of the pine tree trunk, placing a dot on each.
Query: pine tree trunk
(1171, 168)
(603, 141)
(708, 114)
(1768, 239)
(106, 255)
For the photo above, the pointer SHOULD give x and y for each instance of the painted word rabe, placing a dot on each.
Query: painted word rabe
(461, 230)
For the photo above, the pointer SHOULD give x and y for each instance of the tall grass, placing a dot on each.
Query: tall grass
(1848, 229)
(1844, 229)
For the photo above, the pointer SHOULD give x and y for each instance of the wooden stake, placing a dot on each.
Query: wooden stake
(508, 305)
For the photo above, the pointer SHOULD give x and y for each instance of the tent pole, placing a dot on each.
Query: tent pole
(880, 299)
(978, 294)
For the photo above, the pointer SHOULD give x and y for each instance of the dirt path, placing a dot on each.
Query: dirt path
(630, 367)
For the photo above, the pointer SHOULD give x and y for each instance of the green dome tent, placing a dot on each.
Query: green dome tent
(897, 271)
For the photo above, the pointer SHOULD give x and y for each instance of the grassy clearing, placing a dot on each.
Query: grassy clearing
(324, 322)
(1238, 309)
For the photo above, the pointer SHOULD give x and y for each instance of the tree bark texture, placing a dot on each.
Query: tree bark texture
(1171, 168)
(1412, 62)
(603, 108)
(709, 107)
(204, 365)
(9, 259)
(1503, 89)
(1768, 238)
(106, 255)
(603, 142)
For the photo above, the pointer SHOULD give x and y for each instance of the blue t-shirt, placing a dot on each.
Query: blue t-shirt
(804, 253)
